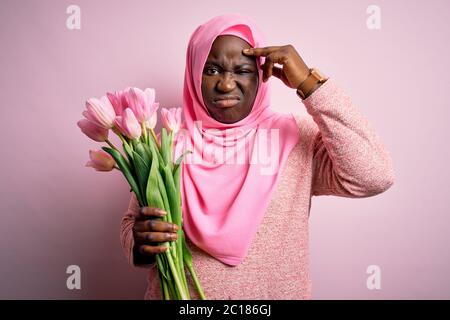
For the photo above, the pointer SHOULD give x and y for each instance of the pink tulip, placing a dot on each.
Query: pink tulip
(101, 112)
(100, 160)
(118, 100)
(92, 130)
(171, 119)
(128, 124)
(151, 123)
(142, 103)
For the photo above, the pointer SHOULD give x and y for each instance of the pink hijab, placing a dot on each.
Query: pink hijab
(224, 201)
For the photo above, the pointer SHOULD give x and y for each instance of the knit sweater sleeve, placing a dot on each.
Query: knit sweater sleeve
(349, 158)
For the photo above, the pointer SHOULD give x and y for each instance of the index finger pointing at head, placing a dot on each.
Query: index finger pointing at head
(148, 212)
(260, 51)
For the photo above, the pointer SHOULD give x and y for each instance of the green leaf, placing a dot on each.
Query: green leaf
(179, 247)
(154, 154)
(142, 163)
(172, 195)
(124, 167)
(134, 143)
(147, 151)
(153, 145)
(153, 194)
(163, 192)
(128, 151)
(173, 288)
(165, 147)
(142, 172)
(144, 153)
(164, 265)
(171, 143)
(180, 158)
(161, 185)
(187, 256)
(163, 284)
(176, 178)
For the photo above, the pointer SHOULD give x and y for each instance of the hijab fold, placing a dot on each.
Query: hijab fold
(228, 180)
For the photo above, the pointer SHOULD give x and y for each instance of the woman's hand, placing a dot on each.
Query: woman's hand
(294, 70)
(148, 232)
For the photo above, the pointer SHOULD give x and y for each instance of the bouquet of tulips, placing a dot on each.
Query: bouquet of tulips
(146, 161)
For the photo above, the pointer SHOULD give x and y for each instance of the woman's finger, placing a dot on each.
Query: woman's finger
(278, 72)
(260, 51)
(152, 250)
(154, 225)
(150, 237)
(278, 57)
(267, 68)
(148, 212)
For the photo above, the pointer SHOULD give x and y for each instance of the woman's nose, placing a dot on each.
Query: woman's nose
(226, 82)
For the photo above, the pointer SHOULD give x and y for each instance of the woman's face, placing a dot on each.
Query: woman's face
(229, 73)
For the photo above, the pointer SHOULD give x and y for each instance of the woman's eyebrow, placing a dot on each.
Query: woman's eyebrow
(215, 62)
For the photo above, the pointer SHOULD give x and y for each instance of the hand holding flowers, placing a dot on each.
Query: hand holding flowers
(147, 163)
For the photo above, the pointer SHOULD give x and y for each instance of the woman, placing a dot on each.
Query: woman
(247, 227)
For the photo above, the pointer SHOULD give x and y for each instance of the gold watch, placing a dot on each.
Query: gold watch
(315, 77)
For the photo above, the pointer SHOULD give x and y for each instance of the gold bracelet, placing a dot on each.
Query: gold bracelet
(314, 78)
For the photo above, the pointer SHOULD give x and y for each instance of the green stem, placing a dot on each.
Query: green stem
(118, 133)
(171, 136)
(183, 278)
(196, 282)
(178, 260)
(164, 288)
(133, 143)
(166, 292)
(111, 145)
(144, 133)
(174, 293)
(179, 286)
(122, 138)
(155, 138)
(179, 251)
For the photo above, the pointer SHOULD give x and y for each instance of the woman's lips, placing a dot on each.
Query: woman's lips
(228, 103)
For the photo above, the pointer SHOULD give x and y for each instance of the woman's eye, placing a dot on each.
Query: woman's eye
(212, 70)
(209, 70)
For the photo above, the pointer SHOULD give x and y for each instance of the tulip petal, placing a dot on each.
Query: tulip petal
(100, 112)
(149, 94)
(100, 160)
(131, 124)
(92, 130)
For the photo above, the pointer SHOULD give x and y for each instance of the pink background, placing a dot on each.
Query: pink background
(55, 212)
